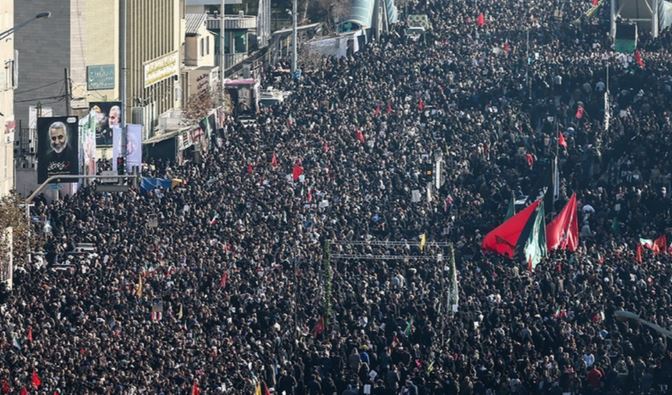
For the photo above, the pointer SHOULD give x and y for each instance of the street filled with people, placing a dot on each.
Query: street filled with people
(223, 283)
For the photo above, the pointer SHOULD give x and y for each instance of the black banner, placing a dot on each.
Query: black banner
(107, 116)
(57, 147)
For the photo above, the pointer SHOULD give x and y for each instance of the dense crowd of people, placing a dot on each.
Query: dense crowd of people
(222, 283)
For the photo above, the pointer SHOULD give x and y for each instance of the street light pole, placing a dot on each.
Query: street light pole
(294, 35)
(8, 32)
(222, 54)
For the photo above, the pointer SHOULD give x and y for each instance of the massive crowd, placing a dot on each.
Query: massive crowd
(228, 289)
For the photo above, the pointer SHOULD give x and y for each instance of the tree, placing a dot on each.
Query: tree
(14, 235)
(201, 103)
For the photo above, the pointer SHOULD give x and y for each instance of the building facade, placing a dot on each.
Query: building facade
(7, 85)
(77, 51)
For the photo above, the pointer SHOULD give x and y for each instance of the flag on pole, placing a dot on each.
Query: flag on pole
(360, 136)
(214, 219)
(561, 140)
(580, 111)
(421, 105)
(274, 160)
(318, 329)
(249, 168)
(257, 389)
(29, 336)
(535, 244)
(530, 159)
(297, 171)
(648, 243)
(224, 280)
(194, 389)
(35, 380)
(423, 241)
(639, 60)
(24, 391)
(505, 239)
(660, 244)
(511, 211)
(480, 20)
(563, 231)
(6, 389)
(409, 328)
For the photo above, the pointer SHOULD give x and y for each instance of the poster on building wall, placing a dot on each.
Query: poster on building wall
(57, 147)
(107, 116)
(116, 147)
(133, 147)
(87, 144)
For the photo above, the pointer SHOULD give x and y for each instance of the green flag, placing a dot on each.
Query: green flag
(409, 326)
(535, 244)
(511, 211)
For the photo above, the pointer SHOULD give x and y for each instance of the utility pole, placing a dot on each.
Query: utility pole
(67, 91)
(122, 76)
(222, 54)
(294, 36)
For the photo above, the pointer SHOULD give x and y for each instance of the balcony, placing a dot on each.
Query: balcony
(233, 22)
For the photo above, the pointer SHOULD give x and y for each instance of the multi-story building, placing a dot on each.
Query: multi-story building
(81, 42)
(8, 68)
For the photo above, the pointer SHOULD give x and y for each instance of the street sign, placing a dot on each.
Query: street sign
(111, 188)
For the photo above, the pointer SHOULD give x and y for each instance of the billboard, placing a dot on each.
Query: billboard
(133, 147)
(57, 147)
(159, 69)
(116, 147)
(87, 144)
(107, 116)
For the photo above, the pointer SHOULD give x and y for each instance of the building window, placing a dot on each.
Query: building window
(202, 47)
(207, 45)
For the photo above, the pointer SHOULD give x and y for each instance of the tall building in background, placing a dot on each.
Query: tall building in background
(8, 68)
(82, 37)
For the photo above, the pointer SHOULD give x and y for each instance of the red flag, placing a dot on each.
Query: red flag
(310, 195)
(563, 231)
(595, 2)
(639, 60)
(507, 47)
(224, 280)
(504, 238)
(530, 159)
(297, 171)
(249, 168)
(561, 140)
(195, 390)
(389, 107)
(30, 333)
(660, 244)
(580, 111)
(274, 160)
(480, 20)
(376, 112)
(421, 104)
(35, 380)
(360, 136)
(638, 252)
(266, 390)
(318, 329)
(6, 389)
(24, 391)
